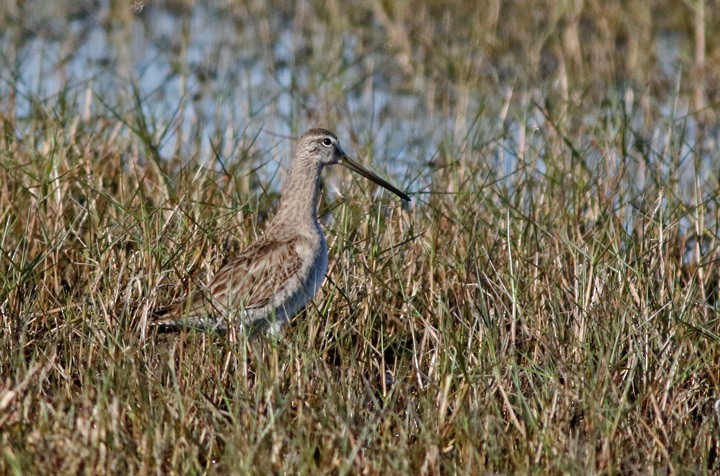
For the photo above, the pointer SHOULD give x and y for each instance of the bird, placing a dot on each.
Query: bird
(267, 284)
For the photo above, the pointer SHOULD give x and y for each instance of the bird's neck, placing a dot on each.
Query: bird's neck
(300, 193)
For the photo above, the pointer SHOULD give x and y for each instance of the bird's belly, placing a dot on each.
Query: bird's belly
(307, 283)
(317, 272)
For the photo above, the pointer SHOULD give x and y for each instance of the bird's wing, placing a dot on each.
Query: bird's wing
(250, 281)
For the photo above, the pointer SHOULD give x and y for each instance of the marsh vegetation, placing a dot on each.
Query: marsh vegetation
(547, 303)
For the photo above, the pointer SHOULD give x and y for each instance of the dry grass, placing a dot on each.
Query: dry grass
(548, 302)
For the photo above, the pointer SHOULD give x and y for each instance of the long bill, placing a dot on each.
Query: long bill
(355, 167)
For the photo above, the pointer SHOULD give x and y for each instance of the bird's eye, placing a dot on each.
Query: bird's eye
(327, 142)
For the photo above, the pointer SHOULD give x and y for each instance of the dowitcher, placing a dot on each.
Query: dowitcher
(273, 279)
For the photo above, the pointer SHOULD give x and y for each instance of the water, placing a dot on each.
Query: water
(225, 73)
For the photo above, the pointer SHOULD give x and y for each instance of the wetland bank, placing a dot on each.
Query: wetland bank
(546, 303)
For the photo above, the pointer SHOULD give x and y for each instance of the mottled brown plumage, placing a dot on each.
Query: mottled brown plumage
(273, 279)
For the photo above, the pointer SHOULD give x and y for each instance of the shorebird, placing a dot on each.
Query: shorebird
(263, 288)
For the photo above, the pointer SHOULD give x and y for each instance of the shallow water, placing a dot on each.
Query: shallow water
(227, 74)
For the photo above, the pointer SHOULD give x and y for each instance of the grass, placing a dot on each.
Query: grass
(546, 304)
